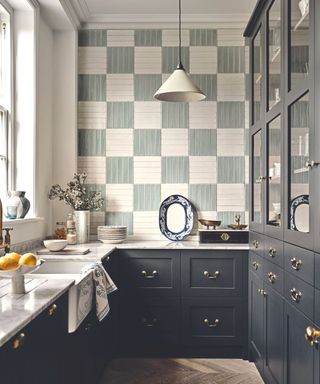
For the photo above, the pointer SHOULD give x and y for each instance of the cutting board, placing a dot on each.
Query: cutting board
(66, 251)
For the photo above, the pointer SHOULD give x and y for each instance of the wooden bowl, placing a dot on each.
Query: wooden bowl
(237, 226)
(210, 223)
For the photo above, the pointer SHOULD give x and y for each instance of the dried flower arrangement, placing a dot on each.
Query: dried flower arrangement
(76, 194)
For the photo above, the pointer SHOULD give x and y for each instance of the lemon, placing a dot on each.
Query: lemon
(13, 256)
(28, 259)
(7, 263)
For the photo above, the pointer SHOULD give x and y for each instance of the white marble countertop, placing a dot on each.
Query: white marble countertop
(17, 310)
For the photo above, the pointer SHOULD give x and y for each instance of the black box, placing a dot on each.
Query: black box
(221, 236)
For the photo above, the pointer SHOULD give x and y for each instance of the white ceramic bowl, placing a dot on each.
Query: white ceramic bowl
(55, 245)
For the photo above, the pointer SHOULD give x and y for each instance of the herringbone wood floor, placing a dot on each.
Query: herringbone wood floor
(180, 371)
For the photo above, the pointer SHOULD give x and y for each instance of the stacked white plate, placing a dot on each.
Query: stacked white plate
(112, 234)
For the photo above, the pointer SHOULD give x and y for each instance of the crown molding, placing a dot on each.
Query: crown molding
(71, 13)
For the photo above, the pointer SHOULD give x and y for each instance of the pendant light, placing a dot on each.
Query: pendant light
(179, 86)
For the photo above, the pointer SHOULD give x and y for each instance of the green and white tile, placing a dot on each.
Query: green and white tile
(203, 169)
(96, 218)
(120, 115)
(230, 37)
(231, 87)
(175, 170)
(92, 60)
(231, 114)
(147, 169)
(119, 142)
(146, 224)
(170, 38)
(174, 189)
(147, 60)
(203, 37)
(203, 115)
(146, 197)
(92, 38)
(230, 197)
(202, 142)
(145, 86)
(120, 218)
(120, 87)
(230, 142)
(91, 87)
(99, 188)
(147, 142)
(170, 58)
(119, 170)
(231, 170)
(175, 115)
(120, 38)
(147, 115)
(203, 60)
(231, 60)
(119, 197)
(229, 218)
(203, 196)
(120, 59)
(174, 142)
(91, 142)
(148, 37)
(92, 114)
(207, 84)
(94, 167)
(246, 169)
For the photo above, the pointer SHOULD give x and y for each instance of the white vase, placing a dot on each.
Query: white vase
(82, 219)
(14, 207)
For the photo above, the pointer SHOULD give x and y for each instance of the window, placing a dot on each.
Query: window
(5, 100)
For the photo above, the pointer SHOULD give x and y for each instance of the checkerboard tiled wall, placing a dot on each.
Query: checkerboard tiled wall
(136, 150)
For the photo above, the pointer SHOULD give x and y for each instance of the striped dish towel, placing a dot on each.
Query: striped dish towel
(104, 286)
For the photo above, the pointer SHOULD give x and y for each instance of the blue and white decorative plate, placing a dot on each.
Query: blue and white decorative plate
(163, 211)
(295, 203)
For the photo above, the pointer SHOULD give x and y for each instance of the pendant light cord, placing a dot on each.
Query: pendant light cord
(180, 66)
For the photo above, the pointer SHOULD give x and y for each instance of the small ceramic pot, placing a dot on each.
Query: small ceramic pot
(17, 205)
(82, 219)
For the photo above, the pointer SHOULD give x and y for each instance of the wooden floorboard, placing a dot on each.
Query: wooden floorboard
(180, 371)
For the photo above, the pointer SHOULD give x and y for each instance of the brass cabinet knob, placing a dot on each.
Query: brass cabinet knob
(211, 325)
(18, 341)
(262, 292)
(52, 310)
(272, 277)
(312, 335)
(296, 264)
(208, 275)
(272, 252)
(255, 265)
(147, 323)
(311, 164)
(151, 276)
(296, 295)
(255, 243)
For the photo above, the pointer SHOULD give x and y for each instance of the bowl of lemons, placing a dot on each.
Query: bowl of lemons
(15, 266)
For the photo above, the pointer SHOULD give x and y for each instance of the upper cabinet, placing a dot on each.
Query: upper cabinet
(285, 120)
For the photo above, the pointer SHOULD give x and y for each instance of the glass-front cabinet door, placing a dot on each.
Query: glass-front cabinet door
(257, 79)
(258, 178)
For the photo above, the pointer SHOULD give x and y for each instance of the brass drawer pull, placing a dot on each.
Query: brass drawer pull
(272, 252)
(255, 265)
(152, 276)
(18, 341)
(147, 323)
(215, 323)
(296, 295)
(272, 277)
(312, 335)
(209, 276)
(296, 264)
(52, 310)
(262, 292)
(255, 243)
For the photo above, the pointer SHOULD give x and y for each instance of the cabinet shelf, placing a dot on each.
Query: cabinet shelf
(300, 21)
(300, 170)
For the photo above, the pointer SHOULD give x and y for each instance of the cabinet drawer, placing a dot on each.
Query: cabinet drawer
(152, 272)
(212, 322)
(299, 294)
(273, 250)
(300, 262)
(256, 243)
(207, 273)
(256, 264)
(273, 276)
(317, 306)
(317, 270)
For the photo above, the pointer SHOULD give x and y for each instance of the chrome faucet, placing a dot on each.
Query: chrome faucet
(4, 243)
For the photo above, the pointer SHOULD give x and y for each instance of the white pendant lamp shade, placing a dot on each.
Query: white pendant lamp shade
(179, 87)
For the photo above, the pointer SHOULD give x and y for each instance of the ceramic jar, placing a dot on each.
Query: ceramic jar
(82, 219)
(17, 205)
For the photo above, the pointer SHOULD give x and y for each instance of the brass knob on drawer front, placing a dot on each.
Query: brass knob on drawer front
(255, 265)
(18, 341)
(213, 325)
(255, 243)
(208, 275)
(262, 292)
(52, 310)
(147, 323)
(272, 252)
(311, 335)
(272, 277)
(296, 295)
(152, 276)
(296, 264)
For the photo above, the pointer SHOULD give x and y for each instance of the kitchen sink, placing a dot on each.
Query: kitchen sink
(80, 300)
